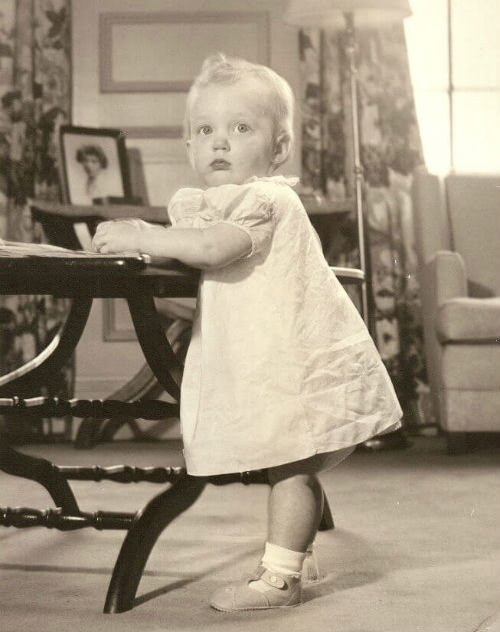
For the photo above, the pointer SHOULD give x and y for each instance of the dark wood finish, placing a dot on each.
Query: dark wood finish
(121, 473)
(41, 471)
(141, 538)
(100, 409)
(157, 351)
(23, 517)
(37, 270)
(41, 209)
(43, 367)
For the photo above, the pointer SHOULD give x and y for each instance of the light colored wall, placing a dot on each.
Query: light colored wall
(103, 366)
(161, 156)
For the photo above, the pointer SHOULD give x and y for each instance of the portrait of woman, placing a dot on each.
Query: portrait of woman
(93, 160)
(94, 163)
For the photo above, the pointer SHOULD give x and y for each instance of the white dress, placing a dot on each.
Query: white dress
(280, 366)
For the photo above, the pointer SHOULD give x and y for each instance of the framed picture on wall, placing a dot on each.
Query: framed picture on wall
(173, 44)
(94, 165)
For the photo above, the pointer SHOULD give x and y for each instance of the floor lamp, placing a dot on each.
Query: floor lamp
(338, 14)
(346, 14)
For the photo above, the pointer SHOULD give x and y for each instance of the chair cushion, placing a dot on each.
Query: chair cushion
(466, 319)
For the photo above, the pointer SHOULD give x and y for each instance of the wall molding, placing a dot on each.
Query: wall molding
(152, 131)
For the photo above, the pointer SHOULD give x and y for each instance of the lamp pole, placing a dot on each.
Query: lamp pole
(350, 52)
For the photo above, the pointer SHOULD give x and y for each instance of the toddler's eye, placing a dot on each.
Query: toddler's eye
(204, 130)
(242, 128)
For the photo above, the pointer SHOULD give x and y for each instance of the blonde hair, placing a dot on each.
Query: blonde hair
(220, 69)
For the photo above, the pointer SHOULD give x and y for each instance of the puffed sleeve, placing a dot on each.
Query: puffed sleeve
(184, 206)
(247, 207)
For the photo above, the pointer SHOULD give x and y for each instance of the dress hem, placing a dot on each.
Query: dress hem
(391, 427)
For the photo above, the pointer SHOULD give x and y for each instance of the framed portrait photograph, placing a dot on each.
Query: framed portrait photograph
(94, 165)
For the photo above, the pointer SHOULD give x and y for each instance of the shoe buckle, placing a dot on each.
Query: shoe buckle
(276, 581)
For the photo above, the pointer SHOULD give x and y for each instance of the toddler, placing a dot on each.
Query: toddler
(281, 372)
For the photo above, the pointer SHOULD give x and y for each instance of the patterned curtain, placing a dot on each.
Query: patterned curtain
(390, 149)
(35, 99)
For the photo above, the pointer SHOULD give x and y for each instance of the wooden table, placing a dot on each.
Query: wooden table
(35, 269)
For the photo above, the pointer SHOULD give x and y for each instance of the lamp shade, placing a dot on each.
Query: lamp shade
(329, 13)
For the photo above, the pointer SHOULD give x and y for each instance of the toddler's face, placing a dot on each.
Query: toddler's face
(231, 133)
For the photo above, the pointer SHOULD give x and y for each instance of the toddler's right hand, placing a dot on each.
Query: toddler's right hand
(118, 236)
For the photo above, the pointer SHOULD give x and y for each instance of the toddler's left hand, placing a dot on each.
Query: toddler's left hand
(119, 236)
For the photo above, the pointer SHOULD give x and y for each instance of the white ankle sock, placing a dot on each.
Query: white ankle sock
(279, 560)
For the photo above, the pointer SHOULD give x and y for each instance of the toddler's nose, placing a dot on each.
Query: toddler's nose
(221, 142)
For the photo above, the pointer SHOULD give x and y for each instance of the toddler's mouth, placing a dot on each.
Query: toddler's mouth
(220, 165)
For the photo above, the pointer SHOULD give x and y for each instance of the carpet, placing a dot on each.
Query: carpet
(415, 548)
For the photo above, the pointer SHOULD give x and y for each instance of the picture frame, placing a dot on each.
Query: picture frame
(162, 36)
(93, 165)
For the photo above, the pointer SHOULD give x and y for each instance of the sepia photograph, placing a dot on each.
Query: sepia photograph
(250, 315)
(94, 164)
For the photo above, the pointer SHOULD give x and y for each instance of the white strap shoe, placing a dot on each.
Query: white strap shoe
(285, 591)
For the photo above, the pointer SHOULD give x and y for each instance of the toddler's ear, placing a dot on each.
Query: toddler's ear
(282, 148)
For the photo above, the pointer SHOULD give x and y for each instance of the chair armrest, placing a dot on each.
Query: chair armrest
(444, 277)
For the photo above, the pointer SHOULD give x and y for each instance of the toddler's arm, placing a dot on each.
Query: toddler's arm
(211, 247)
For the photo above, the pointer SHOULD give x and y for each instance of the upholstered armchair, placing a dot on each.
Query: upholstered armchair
(457, 231)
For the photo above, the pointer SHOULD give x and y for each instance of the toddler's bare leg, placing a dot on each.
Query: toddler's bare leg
(295, 508)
